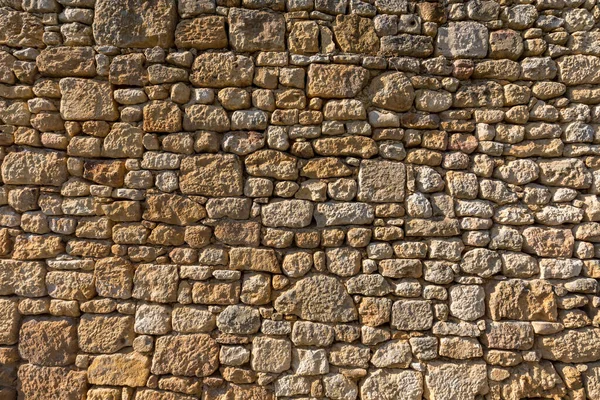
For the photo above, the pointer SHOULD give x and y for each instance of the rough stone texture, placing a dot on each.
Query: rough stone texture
(48, 341)
(318, 298)
(211, 175)
(34, 168)
(46, 383)
(455, 380)
(119, 369)
(335, 81)
(86, 99)
(299, 199)
(135, 23)
(186, 355)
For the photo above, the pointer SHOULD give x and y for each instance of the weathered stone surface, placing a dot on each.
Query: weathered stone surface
(24, 278)
(246, 258)
(201, 33)
(412, 315)
(509, 335)
(200, 117)
(406, 45)
(392, 91)
(287, 213)
(383, 384)
(48, 341)
(570, 346)
(156, 283)
(34, 168)
(548, 242)
(469, 379)
(123, 141)
(356, 146)
(254, 30)
(467, 302)
(545, 381)
(162, 116)
(216, 293)
(318, 298)
(46, 383)
(522, 300)
(131, 369)
(239, 319)
(128, 69)
(70, 285)
(330, 214)
(381, 181)
(211, 175)
(186, 355)
(427, 227)
(135, 23)
(567, 172)
(271, 354)
(393, 354)
(335, 81)
(9, 321)
(463, 39)
(65, 61)
(578, 69)
(356, 34)
(173, 209)
(105, 333)
(87, 99)
(482, 262)
(221, 70)
(272, 164)
(20, 29)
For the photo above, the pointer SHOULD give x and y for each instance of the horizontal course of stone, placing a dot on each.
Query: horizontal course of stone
(299, 199)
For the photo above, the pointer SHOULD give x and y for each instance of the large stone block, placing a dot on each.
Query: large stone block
(9, 321)
(50, 383)
(255, 30)
(318, 298)
(392, 384)
(356, 34)
(381, 181)
(222, 70)
(105, 333)
(211, 175)
(130, 369)
(522, 300)
(571, 346)
(34, 168)
(287, 213)
(201, 33)
(24, 278)
(412, 315)
(336, 81)
(156, 283)
(466, 39)
(87, 99)
(455, 380)
(186, 355)
(271, 354)
(48, 341)
(392, 91)
(173, 209)
(135, 23)
(66, 61)
(20, 29)
(579, 70)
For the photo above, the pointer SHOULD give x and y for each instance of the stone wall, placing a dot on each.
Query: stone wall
(308, 199)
